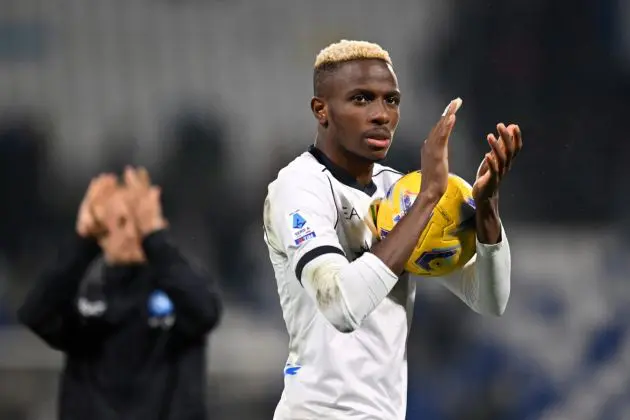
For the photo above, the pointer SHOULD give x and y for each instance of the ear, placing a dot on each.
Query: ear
(320, 111)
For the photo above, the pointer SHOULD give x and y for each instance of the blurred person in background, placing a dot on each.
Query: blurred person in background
(134, 337)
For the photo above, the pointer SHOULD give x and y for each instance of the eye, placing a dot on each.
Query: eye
(393, 100)
(360, 99)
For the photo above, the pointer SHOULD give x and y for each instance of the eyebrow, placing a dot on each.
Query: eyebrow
(394, 92)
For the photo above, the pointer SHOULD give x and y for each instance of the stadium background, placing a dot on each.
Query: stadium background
(212, 96)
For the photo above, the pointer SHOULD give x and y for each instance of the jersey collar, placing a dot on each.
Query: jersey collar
(341, 174)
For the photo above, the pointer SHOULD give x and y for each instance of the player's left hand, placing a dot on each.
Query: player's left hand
(498, 162)
(144, 201)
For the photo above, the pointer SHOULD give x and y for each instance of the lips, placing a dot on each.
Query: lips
(378, 138)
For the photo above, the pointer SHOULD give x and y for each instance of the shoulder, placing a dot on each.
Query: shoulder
(301, 191)
(303, 174)
(385, 175)
(382, 170)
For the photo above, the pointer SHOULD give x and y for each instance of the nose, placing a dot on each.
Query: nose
(379, 114)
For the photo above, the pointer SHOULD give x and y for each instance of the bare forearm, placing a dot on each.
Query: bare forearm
(488, 221)
(397, 247)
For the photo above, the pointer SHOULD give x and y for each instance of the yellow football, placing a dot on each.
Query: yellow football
(449, 240)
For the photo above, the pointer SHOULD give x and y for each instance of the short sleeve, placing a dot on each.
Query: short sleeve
(301, 218)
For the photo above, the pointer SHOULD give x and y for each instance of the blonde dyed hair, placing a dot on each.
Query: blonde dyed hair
(346, 50)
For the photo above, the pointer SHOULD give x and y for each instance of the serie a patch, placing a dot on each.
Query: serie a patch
(306, 237)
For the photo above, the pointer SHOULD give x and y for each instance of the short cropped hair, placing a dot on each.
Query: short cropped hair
(343, 51)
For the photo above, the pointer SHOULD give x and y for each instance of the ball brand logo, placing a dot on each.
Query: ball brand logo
(431, 260)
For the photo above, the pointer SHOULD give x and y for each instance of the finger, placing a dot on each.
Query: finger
(143, 176)
(99, 207)
(96, 186)
(157, 193)
(93, 187)
(131, 179)
(448, 119)
(155, 196)
(518, 139)
(483, 168)
(492, 163)
(106, 188)
(129, 176)
(443, 128)
(101, 186)
(501, 132)
(491, 169)
(507, 141)
(109, 182)
(452, 107)
(447, 128)
(498, 149)
(498, 152)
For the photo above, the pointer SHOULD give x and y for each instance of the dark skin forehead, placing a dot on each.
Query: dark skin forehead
(343, 77)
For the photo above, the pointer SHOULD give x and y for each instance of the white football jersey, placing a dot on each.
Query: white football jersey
(315, 208)
(329, 374)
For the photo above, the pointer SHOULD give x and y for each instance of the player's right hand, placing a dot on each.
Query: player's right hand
(434, 155)
(144, 201)
(92, 207)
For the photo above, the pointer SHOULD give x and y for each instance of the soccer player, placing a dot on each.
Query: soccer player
(347, 302)
(134, 339)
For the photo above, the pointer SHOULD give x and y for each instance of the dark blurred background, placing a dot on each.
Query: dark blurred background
(212, 97)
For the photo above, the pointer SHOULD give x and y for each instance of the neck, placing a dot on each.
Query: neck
(360, 168)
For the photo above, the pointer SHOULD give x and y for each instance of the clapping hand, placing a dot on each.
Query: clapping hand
(498, 162)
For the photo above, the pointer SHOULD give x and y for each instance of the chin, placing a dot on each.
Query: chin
(368, 154)
(377, 155)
